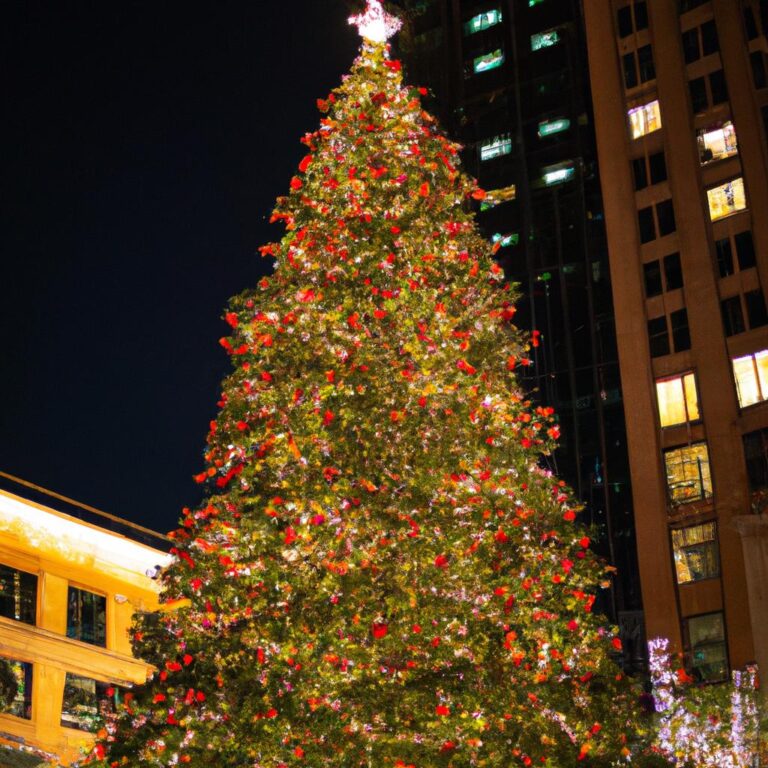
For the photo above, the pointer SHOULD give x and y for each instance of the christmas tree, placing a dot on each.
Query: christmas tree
(382, 574)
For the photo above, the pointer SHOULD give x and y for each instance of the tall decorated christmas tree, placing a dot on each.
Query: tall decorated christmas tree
(382, 574)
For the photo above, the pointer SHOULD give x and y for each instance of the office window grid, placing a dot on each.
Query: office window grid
(708, 91)
(735, 253)
(632, 18)
(700, 41)
(662, 276)
(638, 67)
(743, 312)
(656, 220)
(649, 169)
(669, 333)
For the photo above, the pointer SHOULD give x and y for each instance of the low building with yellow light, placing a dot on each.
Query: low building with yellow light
(70, 582)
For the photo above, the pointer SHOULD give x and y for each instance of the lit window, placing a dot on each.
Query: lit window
(21, 706)
(531, 3)
(496, 147)
(488, 61)
(726, 199)
(498, 196)
(504, 241)
(706, 647)
(751, 376)
(87, 616)
(557, 174)
(645, 119)
(688, 477)
(695, 553)
(86, 702)
(678, 401)
(717, 142)
(550, 127)
(483, 21)
(18, 594)
(544, 39)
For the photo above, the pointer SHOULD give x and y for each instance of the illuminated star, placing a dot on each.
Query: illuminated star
(376, 24)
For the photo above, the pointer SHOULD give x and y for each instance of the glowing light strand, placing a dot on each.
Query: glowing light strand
(376, 24)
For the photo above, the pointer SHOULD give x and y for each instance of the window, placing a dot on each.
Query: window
(488, 61)
(742, 247)
(483, 21)
(498, 196)
(756, 455)
(86, 616)
(756, 313)
(551, 127)
(558, 173)
(750, 374)
(707, 656)
(673, 275)
(651, 170)
(688, 477)
(638, 67)
(639, 10)
(18, 594)
(21, 706)
(496, 147)
(86, 702)
(681, 336)
(652, 278)
(717, 142)
(750, 25)
(673, 272)
(677, 400)
(709, 90)
(664, 223)
(658, 336)
(695, 553)
(733, 316)
(726, 199)
(757, 60)
(644, 119)
(545, 39)
(700, 41)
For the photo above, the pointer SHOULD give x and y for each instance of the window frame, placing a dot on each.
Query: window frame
(760, 383)
(690, 650)
(18, 594)
(105, 695)
(649, 119)
(737, 186)
(705, 490)
(688, 395)
(79, 636)
(682, 562)
(729, 137)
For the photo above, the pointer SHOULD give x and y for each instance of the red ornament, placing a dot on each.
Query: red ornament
(379, 629)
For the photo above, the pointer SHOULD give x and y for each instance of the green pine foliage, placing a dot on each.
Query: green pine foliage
(382, 573)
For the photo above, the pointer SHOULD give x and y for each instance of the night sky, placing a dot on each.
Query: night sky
(143, 146)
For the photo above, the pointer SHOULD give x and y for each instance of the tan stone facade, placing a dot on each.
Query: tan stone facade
(681, 115)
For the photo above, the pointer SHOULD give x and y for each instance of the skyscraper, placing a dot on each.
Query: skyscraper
(681, 112)
(510, 82)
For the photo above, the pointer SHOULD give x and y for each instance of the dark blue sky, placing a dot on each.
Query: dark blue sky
(143, 145)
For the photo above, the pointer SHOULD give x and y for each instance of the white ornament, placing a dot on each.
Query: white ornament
(376, 24)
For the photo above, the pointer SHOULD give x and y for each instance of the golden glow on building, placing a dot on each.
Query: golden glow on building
(68, 591)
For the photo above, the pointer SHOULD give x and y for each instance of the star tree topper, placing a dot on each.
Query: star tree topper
(376, 24)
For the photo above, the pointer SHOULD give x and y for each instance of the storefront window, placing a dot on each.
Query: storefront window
(86, 702)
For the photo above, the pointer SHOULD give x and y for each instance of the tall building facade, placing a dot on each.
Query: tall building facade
(71, 579)
(680, 91)
(510, 83)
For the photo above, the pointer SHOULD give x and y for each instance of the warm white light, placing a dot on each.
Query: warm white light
(376, 24)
